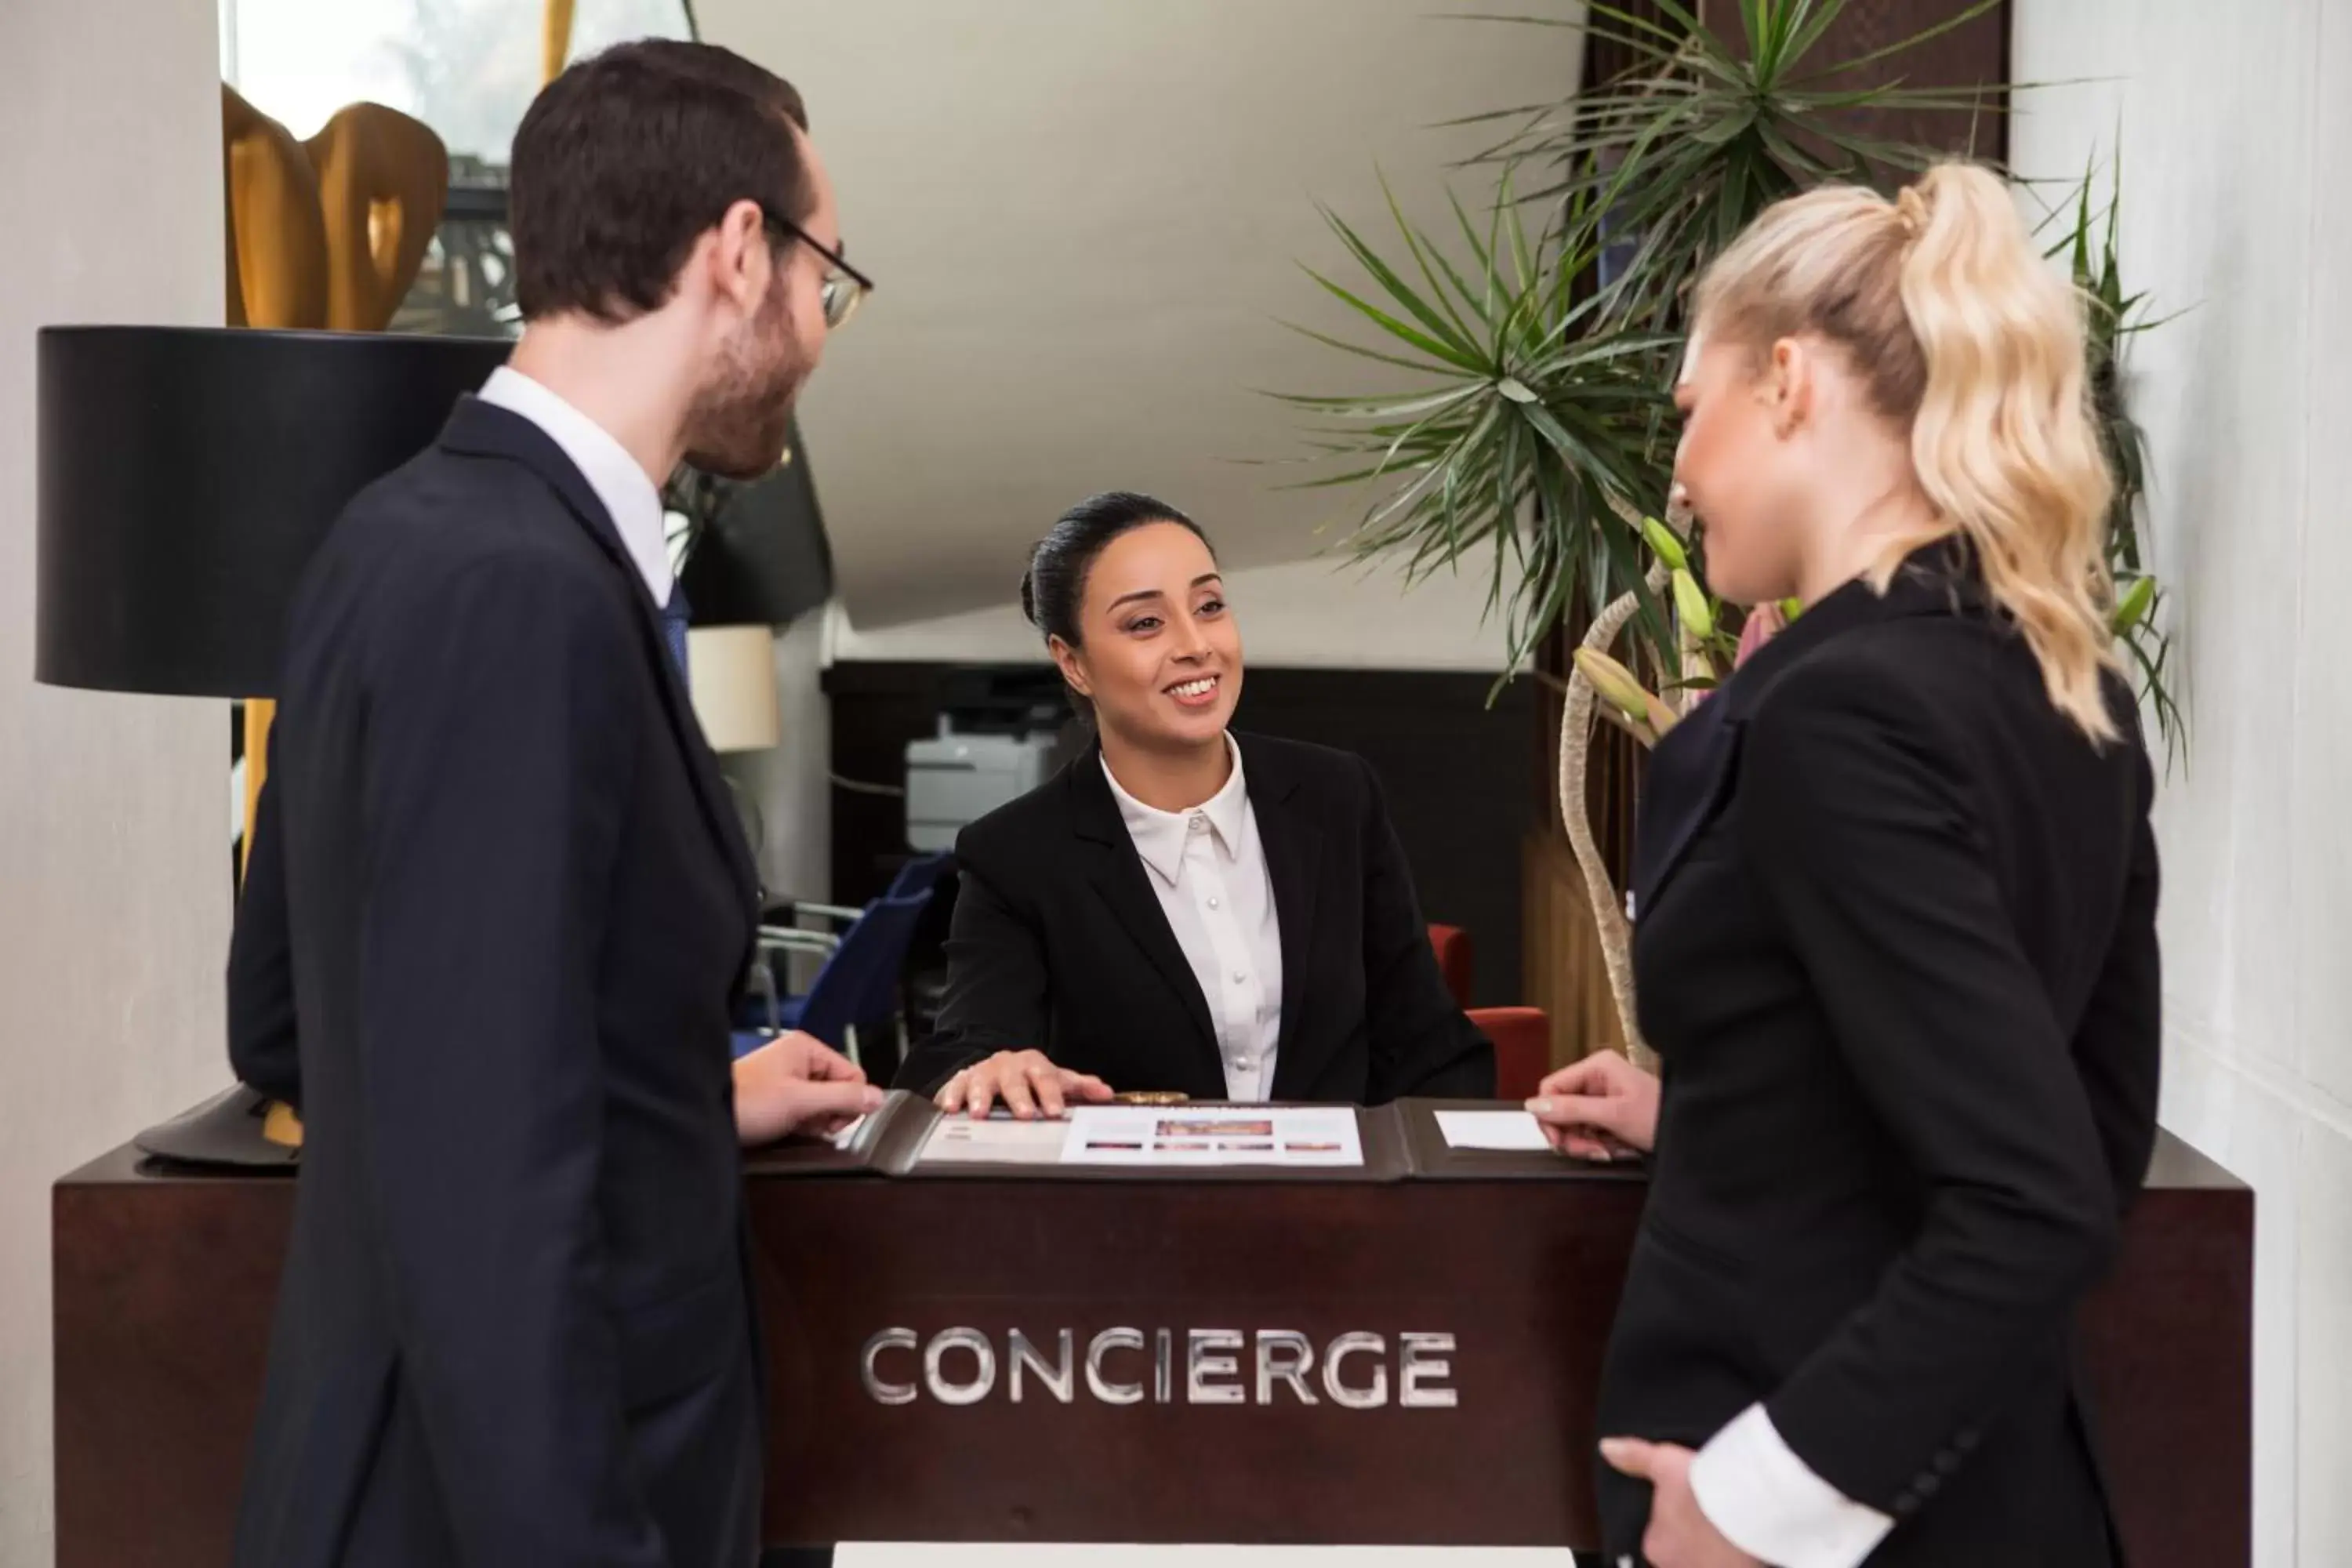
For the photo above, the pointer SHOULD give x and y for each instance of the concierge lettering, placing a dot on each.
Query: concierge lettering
(1354, 1370)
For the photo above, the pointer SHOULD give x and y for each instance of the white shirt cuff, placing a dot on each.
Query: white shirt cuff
(1768, 1502)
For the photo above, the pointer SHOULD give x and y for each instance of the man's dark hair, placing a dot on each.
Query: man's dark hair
(623, 162)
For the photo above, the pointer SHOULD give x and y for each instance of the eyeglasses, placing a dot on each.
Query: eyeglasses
(843, 287)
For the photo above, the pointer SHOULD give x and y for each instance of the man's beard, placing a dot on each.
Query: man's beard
(741, 419)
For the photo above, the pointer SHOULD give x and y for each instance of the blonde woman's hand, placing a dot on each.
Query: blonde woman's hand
(1027, 1081)
(1592, 1107)
(1680, 1535)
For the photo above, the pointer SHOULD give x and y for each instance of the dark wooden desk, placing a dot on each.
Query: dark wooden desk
(163, 1284)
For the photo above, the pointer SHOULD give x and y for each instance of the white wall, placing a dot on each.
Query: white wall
(1085, 218)
(114, 862)
(2236, 142)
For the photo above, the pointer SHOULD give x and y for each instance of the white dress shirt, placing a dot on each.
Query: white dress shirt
(628, 495)
(1772, 1505)
(1209, 869)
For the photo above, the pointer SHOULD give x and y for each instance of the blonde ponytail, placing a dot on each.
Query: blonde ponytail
(1965, 334)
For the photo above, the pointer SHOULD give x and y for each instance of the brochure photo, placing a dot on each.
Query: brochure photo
(1183, 1136)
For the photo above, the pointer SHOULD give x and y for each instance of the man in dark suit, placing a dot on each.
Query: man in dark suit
(500, 904)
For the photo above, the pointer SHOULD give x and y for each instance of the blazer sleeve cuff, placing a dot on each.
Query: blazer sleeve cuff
(1768, 1502)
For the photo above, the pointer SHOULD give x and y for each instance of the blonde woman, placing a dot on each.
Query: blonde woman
(1908, 849)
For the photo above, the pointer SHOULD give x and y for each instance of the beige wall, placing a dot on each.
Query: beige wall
(114, 865)
(2236, 144)
(1084, 217)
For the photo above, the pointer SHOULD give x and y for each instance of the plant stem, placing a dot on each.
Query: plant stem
(1616, 936)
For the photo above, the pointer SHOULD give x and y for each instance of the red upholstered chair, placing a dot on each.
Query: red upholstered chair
(1452, 946)
(1522, 1035)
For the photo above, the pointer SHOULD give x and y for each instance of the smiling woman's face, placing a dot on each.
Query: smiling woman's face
(1158, 652)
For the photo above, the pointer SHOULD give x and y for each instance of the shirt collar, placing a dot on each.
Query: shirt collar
(1160, 835)
(619, 483)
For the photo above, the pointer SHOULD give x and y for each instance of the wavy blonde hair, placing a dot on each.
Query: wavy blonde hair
(1969, 338)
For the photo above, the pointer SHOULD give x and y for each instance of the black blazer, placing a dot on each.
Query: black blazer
(1059, 944)
(1896, 951)
(498, 907)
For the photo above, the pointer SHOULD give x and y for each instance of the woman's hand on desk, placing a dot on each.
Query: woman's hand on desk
(1027, 1081)
(797, 1083)
(1586, 1105)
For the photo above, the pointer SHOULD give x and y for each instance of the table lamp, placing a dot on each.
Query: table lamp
(185, 474)
(734, 685)
(732, 675)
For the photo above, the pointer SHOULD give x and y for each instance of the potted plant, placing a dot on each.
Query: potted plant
(1543, 336)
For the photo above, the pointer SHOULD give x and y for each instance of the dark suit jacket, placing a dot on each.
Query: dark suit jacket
(1059, 944)
(498, 907)
(1896, 950)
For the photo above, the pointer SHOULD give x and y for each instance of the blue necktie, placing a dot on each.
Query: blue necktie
(674, 617)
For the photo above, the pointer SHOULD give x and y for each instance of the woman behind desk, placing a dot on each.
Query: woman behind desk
(1181, 910)
(1896, 939)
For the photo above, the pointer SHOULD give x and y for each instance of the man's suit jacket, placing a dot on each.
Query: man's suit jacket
(1896, 950)
(1059, 944)
(498, 908)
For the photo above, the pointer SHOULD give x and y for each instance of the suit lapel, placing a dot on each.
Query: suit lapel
(1688, 776)
(1118, 875)
(1292, 841)
(1692, 771)
(484, 429)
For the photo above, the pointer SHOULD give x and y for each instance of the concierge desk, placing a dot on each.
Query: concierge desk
(1404, 1353)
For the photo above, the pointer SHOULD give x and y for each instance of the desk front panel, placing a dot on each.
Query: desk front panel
(163, 1285)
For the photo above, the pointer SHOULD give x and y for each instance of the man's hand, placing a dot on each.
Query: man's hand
(797, 1083)
(1680, 1535)
(1027, 1081)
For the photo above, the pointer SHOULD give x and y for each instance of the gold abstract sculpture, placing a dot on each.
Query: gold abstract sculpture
(554, 38)
(382, 181)
(276, 233)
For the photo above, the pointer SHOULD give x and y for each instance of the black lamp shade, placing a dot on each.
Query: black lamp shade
(763, 560)
(186, 474)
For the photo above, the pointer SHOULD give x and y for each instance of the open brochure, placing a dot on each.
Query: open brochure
(1165, 1137)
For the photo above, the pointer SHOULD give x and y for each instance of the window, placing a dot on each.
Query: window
(466, 67)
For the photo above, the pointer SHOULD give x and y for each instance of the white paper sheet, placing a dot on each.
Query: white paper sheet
(993, 1140)
(1181, 1136)
(1491, 1130)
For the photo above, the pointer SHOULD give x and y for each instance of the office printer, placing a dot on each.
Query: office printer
(1001, 735)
